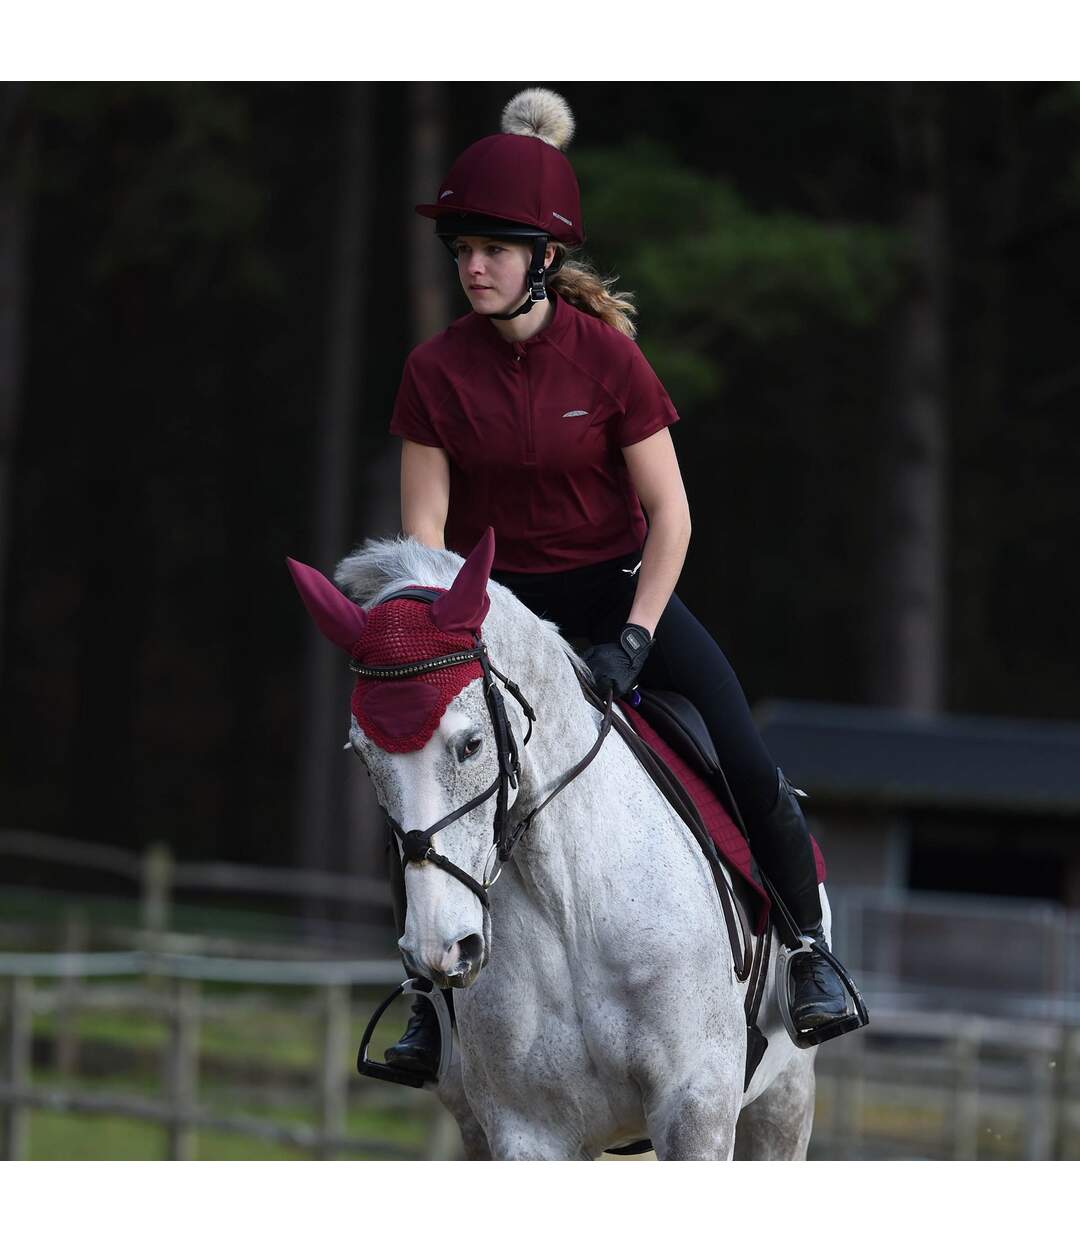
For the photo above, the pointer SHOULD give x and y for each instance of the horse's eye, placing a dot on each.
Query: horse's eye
(471, 747)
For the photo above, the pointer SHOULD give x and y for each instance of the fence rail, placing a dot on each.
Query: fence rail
(974, 1047)
(172, 994)
(950, 1086)
(913, 1085)
(158, 875)
(208, 969)
(959, 952)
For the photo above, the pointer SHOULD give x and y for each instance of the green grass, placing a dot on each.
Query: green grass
(241, 1057)
(48, 911)
(55, 1137)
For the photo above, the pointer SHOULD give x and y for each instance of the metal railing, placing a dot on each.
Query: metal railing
(994, 956)
(949, 1086)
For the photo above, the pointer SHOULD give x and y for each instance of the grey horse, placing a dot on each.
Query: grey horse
(596, 1000)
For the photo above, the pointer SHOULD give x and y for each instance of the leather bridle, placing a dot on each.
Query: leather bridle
(416, 844)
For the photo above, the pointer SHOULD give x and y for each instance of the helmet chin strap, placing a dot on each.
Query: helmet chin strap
(523, 309)
(534, 281)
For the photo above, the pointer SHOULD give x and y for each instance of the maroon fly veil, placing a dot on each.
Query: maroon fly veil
(399, 710)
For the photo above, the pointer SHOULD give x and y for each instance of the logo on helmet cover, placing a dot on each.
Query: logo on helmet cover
(563, 219)
(447, 193)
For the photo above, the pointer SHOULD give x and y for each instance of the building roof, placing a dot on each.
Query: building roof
(899, 759)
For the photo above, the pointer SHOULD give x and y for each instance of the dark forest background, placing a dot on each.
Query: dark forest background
(863, 299)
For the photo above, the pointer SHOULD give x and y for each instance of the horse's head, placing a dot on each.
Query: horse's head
(430, 726)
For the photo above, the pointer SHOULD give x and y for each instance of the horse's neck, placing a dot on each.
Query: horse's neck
(563, 835)
(565, 725)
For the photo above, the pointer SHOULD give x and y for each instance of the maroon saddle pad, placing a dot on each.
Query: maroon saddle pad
(729, 841)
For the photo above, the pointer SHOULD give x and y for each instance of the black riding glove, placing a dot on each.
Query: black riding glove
(618, 665)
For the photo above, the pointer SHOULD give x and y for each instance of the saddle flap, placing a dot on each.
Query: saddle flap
(681, 725)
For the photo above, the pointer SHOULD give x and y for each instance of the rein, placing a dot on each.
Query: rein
(416, 844)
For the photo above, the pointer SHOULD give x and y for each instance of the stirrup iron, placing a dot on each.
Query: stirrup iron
(398, 1074)
(852, 1021)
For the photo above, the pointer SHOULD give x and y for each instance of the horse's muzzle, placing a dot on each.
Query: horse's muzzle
(457, 967)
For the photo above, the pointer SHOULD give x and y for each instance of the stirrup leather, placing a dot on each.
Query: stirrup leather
(851, 1021)
(398, 1074)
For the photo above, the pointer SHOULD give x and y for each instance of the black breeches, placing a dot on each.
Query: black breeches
(594, 602)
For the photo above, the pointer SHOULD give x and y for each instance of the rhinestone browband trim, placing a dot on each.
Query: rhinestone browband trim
(410, 670)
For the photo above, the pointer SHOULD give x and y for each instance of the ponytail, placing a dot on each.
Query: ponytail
(583, 286)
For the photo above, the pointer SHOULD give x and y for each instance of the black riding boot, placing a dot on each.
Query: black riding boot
(781, 845)
(418, 1049)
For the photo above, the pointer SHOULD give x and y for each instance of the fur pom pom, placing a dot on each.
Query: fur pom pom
(539, 113)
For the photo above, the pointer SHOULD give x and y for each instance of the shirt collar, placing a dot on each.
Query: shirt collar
(560, 321)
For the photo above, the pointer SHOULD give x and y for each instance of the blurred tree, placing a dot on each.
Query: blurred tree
(717, 278)
(428, 260)
(911, 571)
(424, 112)
(321, 844)
(150, 240)
(15, 146)
(763, 323)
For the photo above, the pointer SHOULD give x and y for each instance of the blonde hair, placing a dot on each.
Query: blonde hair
(583, 286)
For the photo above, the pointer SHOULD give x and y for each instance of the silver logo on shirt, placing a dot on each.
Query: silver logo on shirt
(576, 414)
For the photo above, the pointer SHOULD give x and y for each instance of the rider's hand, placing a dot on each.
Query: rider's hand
(617, 666)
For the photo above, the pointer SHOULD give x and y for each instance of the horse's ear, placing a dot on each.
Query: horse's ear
(465, 605)
(335, 614)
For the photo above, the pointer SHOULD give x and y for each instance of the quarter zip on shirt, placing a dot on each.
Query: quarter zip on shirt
(523, 379)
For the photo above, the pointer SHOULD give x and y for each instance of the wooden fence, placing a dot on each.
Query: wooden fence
(918, 1082)
(913, 1085)
(171, 990)
(158, 876)
(943, 1086)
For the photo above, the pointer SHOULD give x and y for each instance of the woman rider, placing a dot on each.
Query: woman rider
(538, 414)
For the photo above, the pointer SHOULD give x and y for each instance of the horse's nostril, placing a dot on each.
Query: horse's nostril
(471, 949)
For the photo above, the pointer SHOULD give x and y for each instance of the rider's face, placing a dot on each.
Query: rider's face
(492, 272)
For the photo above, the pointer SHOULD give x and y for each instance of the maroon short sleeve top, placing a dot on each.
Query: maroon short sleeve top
(534, 431)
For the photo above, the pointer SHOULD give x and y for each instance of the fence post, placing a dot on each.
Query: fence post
(157, 868)
(17, 1060)
(334, 1068)
(966, 1109)
(66, 1041)
(182, 1069)
(850, 1102)
(1041, 1126)
(444, 1138)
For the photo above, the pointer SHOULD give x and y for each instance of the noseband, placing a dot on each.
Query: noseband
(416, 844)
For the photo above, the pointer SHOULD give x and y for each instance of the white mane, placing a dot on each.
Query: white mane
(379, 567)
